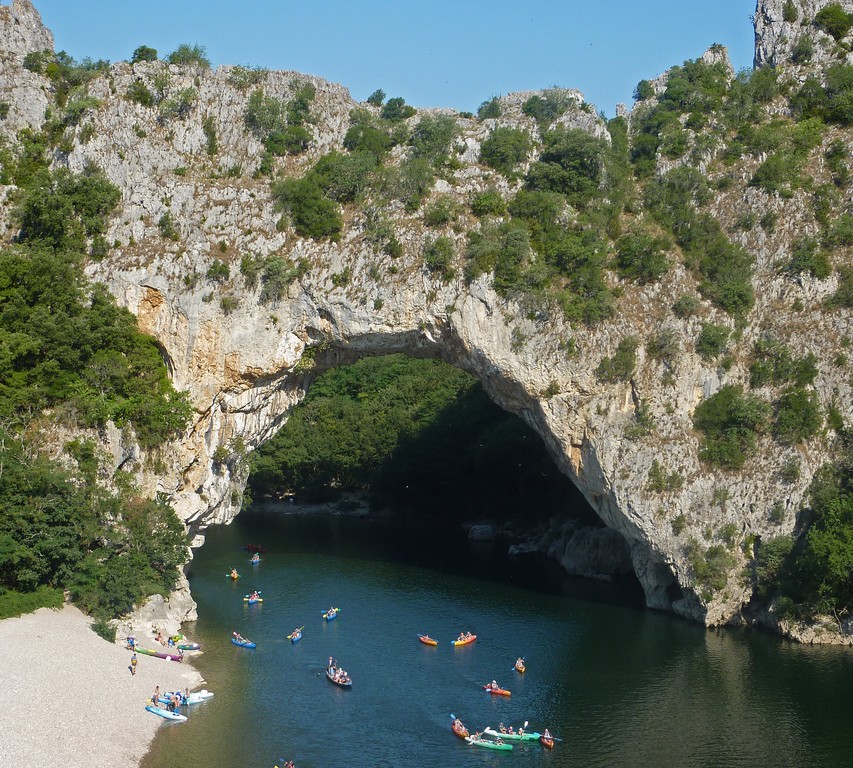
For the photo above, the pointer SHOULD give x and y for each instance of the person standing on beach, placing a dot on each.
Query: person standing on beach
(133, 663)
(155, 699)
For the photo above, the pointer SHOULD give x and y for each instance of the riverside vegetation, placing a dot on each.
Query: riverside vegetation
(575, 219)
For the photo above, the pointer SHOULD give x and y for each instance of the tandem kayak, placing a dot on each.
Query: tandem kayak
(331, 613)
(459, 729)
(164, 713)
(159, 654)
(347, 683)
(512, 736)
(427, 640)
(296, 636)
(243, 643)
(252, 600)
(465, 640)
(488, 743)
(496, 691)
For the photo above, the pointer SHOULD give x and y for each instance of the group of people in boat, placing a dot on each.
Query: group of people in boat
(503, 729)
(239, 638)
(331, 613)
(255, 595)
(464, 636)
(493, 686)
(338, 674)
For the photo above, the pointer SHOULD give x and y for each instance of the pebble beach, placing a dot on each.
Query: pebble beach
(69, 697)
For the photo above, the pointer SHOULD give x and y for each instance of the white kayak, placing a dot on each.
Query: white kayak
(166, 714)
(196, 697)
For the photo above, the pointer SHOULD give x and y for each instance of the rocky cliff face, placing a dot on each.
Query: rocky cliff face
(785, 26)
(246, 362)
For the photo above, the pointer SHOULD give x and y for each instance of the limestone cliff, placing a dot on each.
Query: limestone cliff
(246, 361)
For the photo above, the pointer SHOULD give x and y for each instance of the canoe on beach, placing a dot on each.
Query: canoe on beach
(159, 654)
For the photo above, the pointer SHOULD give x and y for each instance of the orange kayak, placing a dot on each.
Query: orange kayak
(496, 691)
(520, 668)
(547, 742)
(465, 641)
(460, 730)
(427, 640)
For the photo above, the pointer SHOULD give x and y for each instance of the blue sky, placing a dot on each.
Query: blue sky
(448, 53)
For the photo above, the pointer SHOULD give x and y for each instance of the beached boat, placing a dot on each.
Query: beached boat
(427, 640)
(188, 647)
(196, 697)
(459, 729)
(534, 736)
(464, 640)
(243, 643)
(159, 654)
(345, 683)
(547, 741)
(332, 613)
(164, 713)
(488, 743)
(498, 691)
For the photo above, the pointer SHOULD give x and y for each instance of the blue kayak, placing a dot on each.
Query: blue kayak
(332, 613)
(164, 713)
(242, 643)
(295, 637)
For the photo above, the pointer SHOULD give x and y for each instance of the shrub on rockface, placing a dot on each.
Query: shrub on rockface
(311, 212)
(730, 423)
(505, 148)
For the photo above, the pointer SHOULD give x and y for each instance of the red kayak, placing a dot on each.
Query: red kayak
(460, 730)
(496, 691)
(427, 640)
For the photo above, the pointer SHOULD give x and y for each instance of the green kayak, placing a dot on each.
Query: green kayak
(513, 736)
(488, 743)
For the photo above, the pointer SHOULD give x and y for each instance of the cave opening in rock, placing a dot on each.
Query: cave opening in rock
(420, 440)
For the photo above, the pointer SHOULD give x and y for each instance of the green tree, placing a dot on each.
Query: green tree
(396, 110)
(730, 423)
(143, 53)
(505, 148)
(189, 55)
(376, 98)
(835, 20)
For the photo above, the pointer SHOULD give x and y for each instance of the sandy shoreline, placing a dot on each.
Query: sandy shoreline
(69, 697)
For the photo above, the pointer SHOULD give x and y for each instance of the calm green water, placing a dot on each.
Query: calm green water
(620, 685)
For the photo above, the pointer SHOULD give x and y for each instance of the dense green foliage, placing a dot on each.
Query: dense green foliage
(642, 257)
(835, 20)
(505, 149)
(619, 366)
(143, 53)
(64, 531)
(418, 435)
(312, 213)
(66, 349)
(730, 422)
(813, 574)
(189, 55)
(711, 341)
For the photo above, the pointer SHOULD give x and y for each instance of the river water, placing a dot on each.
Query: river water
(620, 685)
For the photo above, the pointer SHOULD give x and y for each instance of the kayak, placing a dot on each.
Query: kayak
(188, 647)
(243, 643)
(346, 684)
(427, 640)
(331, 613)
(465, 641)
(488, 743)
(255, 562)
(295, 637)
(234, 576)
(166, 714)
(460, 730)
(196, 697)
(496, 691)
(512, 736)
(159, 654)
(252, 600)
(547, 741)
(519, 667)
